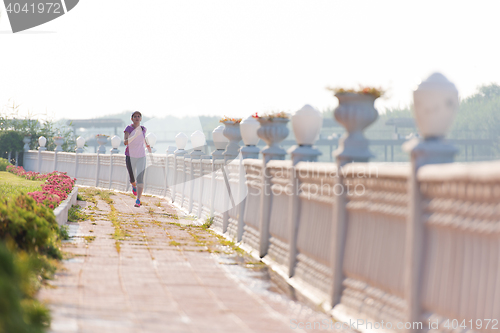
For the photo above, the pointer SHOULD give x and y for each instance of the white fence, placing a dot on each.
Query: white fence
(343, 236)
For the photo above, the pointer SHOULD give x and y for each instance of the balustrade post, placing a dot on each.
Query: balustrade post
(180, 141)
(306, 124)
(41, 142)
(26, 148)
(198, 142)
(272, 131)
(220, 143)
(441, 96)
(115, 143)
(201, 185)
(58, 141)
(170, 150)
(355, 113)
(98, 168)
(55, 160)
(242, 196)
(249, 128)
(80, 143)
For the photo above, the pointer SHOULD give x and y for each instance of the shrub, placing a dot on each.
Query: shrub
(3, 164)
(32, 227)
(20, 312)
(11, 141)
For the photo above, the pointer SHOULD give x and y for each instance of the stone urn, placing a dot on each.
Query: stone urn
(232, 132)
(101, 140)
(59, 142)
(355, 112)
(272, 131)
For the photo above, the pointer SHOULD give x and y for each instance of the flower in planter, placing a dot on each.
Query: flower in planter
(374, 91)
(101, 136)
(234, 120)
(57, 186)
(273, 115)
(57, 137)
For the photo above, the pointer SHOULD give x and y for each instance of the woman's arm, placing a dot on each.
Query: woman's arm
(125, 139)
(146, 143)
(128, 139)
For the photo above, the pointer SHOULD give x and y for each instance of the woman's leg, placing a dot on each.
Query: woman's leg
(130, 170)
(141, 168)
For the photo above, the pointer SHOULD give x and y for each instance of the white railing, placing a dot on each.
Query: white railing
(398, 244)
(461, 255)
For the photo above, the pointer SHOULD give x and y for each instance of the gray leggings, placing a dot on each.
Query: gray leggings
(138, 165)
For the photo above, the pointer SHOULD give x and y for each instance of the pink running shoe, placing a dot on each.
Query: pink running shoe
(134, 190)
(137, 203)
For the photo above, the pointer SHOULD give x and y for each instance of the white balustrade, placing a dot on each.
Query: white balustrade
(391, 242)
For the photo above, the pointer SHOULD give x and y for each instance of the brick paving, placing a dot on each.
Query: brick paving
(165, 276)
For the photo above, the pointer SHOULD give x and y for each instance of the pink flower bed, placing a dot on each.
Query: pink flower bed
(30, 175)
(56, 188)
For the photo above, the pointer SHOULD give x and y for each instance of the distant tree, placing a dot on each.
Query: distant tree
(10, 120)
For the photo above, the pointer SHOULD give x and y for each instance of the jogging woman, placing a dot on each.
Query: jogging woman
(135, 140)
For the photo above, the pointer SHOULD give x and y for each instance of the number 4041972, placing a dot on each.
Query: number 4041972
(477, 324)
(46, 8)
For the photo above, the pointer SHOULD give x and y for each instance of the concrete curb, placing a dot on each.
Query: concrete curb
(61, 212)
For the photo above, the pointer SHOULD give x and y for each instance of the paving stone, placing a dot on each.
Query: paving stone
(152, 284)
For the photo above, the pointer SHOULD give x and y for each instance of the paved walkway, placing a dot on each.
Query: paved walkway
(143, 270)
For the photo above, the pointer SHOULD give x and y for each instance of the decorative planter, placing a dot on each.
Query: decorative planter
(58, 143)
(232, 132)
(355, 112)
(273, 131)
(101, 140)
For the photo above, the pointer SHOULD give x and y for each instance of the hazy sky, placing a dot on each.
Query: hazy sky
(235, 57)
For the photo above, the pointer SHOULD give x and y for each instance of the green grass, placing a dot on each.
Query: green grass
(12, 185)
(120, 232)
(89, 239)
(208, 223)
(91, 194)
(75, 214)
